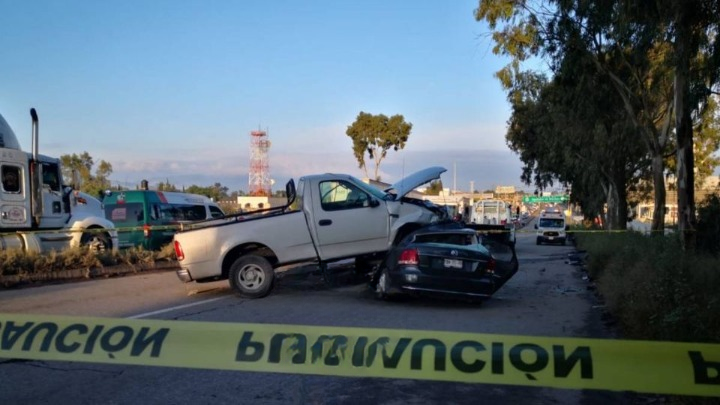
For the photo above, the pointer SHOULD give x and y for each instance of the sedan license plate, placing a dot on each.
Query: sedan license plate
(453, 263)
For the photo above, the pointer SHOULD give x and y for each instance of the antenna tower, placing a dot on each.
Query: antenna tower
(259, 181)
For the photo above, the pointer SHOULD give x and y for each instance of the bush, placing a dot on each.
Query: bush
(654, 289)
(708, 227)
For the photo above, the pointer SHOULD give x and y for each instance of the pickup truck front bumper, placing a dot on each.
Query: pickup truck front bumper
(184, 275)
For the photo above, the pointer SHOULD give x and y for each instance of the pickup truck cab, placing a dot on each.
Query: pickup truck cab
(328, 217)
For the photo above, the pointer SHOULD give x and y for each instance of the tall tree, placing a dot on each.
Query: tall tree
(376, 135)
(217, 191)
(166, 186)
(77, 170)
(697, 74)
(574, 130)
(689, 29)
(434, 188)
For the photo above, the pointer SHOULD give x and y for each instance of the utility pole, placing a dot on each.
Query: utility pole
(454, 177)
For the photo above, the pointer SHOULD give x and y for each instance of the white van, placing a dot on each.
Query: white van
(551, 228)
(150, 218)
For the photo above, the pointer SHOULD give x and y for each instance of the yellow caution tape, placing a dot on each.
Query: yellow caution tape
(578, 363)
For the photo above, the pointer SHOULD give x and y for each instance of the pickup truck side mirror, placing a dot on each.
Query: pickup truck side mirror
(374, 202)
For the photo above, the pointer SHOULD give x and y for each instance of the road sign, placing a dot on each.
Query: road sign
(546, 199)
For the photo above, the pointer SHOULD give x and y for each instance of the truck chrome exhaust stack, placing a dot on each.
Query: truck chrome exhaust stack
(36, 206)
(35, 136)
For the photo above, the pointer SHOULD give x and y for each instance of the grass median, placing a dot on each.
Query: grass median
(654, 289)
(17, 265)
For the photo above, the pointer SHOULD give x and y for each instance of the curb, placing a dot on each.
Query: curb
(13, 280)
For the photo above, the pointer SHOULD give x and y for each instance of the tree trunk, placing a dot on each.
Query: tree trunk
(658, 219)
(613, 212)
(622, 203)
(684, 133)
(617, 206)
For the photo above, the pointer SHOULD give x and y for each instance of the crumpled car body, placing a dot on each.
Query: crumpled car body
(446, 260)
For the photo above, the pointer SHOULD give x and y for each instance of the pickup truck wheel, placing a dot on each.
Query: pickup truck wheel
(252, 276)
(97, 242)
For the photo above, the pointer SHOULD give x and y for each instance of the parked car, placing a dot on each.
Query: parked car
(445, 260)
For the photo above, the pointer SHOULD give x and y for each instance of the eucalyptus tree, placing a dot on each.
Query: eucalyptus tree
(662, 41)
(574, 129)
(376, 135)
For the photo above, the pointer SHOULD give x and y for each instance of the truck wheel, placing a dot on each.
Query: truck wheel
(252, 276)
(97, 242)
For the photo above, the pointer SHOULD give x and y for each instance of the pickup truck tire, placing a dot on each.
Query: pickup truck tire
(252, 276)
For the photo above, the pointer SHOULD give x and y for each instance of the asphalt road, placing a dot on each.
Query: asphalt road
(547, 297)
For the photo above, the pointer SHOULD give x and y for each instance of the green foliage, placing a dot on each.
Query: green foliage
(575, 130)
(434, 188)
(654, 289)
(661, 57)
(217, 191)
(166, 186)
(708, 227)
(77, 171)
(375, 135)
(706, 142)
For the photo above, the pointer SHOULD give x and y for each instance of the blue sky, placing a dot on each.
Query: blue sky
(172, 89)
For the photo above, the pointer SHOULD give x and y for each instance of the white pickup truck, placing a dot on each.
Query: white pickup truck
(328, 217)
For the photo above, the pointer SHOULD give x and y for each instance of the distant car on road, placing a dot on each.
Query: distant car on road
(445, 260)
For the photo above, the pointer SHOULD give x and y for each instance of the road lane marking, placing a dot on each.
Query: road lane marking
(162, 311)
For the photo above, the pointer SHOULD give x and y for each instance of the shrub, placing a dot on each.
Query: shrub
(18, 262)
(654, 289)
(708, 227)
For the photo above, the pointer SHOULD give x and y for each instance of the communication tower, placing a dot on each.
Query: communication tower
(259, 164)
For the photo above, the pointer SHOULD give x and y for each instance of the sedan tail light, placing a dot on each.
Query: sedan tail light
(408, 256)
(178, 251)
(491, 266)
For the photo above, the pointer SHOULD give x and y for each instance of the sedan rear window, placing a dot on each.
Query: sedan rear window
(461, 239)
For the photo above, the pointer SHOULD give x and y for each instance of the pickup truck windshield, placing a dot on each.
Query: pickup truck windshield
(373, 191)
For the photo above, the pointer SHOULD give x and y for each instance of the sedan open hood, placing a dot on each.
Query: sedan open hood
(415, 180)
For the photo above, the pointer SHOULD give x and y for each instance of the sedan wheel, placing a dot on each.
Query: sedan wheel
(383, 285)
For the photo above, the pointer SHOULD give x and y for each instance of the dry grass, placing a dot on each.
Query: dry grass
(17, 262)
(654, 289)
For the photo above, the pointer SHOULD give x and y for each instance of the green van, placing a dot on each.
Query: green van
(150, 218)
